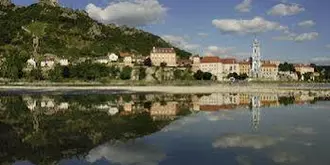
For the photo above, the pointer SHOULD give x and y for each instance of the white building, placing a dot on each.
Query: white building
(212, 64)
(63, 62)
(163, 55)
(113, 57)
(31, 63)
(48, 62)
(229, 66)
(256, 59)
(128, 61)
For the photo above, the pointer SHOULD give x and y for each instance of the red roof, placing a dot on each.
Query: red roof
(244, 62)
(163, 50)
(228, 61)
(269, 65)
(211, 59)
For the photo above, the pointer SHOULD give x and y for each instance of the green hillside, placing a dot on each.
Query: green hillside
(71, 33)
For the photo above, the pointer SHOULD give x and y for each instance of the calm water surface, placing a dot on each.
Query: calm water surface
(164, 129)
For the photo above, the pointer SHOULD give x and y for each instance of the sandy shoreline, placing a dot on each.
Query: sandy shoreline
(266, 88)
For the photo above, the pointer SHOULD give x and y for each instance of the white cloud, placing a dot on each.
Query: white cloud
(285, 157)
(128, 12)
(244, 141)
(219, 51)
(308, 23)
(245, 6)
(321, 60)
(202, 34)
(126, 153)
(298, 37)
(286, 9)
(256, 25)
(180, 42)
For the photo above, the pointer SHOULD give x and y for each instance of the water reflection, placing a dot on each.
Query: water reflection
(114, 129)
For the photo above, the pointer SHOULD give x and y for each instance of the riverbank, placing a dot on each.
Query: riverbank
(316, 89)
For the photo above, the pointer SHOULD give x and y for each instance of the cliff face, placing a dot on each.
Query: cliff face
(5, 2)
(49, 2)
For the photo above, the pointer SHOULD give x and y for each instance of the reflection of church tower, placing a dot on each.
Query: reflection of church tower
(256, 59)
(255, 111)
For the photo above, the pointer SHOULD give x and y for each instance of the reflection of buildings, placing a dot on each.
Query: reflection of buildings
(46, 104)
(159, 111)
(218, 101)
(255, 102)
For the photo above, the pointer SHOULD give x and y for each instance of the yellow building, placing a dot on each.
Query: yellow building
(269, 71)
(163, 55)
(244, 67)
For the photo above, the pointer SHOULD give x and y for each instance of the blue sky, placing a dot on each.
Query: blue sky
(225, 27)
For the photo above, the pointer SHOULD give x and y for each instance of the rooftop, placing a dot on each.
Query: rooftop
(162, 50)
(211, 59)
(228, 60)
(269, 65)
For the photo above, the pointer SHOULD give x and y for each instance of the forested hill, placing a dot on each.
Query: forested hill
(71, 33)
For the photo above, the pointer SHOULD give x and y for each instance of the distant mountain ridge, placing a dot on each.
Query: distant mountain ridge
(71, 33)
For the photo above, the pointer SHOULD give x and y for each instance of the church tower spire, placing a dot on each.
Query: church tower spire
(256, 59)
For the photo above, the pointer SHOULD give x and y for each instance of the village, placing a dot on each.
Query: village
(222, 69)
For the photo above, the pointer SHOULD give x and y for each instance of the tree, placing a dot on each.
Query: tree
(126, 73)
(207, 76)
(234, 75)
(286, 67)
(299, 75)
(307, 76)
(243, 76)
(147, 62)
(177, 74)
(142, 73)
(56, 74)
(163, 64)
(36, 74)
(198, 75)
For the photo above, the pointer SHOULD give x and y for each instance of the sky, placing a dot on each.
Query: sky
(289, 30)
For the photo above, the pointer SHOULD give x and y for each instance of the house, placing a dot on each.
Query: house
(102, 60)
(163, 55)
(244, 67)
(31, 63)
(196, 60)
(128, 61)
(229, 66)
(113, 57)
(127, 58)
(213, 65)
(269, 71)
(63, 62)
(303, 68)
(48, 62)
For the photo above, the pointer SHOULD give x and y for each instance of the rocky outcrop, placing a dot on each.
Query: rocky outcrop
(5, 2)
(49, 2)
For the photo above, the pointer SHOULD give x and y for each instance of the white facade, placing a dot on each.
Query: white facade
(113, 57)
(128, 61)
(64, 62)
(47, 63)
(256, 59)
(230, 68)
(160, 55)
(214, 68)
(31, 63)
